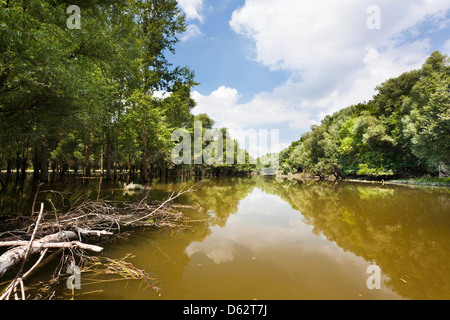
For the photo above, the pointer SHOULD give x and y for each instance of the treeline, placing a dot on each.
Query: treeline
(403, 131)
(89, 98)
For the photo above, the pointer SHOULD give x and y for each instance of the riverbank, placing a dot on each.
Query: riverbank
(415, 182)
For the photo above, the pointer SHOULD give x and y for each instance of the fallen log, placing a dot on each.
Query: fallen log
(57, 245)
(90, 218)
(17, 254)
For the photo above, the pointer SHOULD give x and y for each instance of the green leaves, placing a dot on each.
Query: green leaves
(317, 154)
(161, 21)
(406, 125)
(428, 123)
(73, 86)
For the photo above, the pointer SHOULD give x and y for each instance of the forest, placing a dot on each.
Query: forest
(105, 99)
(92, 110)
(100, 99)
(404, 131)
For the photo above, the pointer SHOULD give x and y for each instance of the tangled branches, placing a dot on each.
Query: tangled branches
(90, 219)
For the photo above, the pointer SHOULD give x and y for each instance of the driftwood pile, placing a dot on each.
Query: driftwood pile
(91, 219)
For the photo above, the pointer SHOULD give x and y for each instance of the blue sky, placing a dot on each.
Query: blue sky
(221, 57)
(285, 64)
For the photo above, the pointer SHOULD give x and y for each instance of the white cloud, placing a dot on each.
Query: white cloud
(192, 9)
(192, 31)
(266, 110)
(306, 35)
(334, 59)
(298, 105)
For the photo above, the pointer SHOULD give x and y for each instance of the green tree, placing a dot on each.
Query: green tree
(427, 124)
(316, 154)
(51, 75)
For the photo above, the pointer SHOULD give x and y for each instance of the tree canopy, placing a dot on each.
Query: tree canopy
(89, 98)
(405, 128)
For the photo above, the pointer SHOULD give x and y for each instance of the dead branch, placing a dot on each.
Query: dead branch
(72, 244)
(99, 218)
(20, 254)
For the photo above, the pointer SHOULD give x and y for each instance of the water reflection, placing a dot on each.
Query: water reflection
(271, 253)
(406, 231)
(281, 239)
(271, 238)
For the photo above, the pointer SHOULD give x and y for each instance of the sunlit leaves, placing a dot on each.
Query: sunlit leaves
(406, 125)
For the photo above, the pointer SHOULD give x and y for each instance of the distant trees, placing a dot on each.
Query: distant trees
(84, 99)
(317, 153)
(404, 128)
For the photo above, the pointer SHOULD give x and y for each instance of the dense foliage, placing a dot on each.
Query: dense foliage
(404, 129)
(89, 98)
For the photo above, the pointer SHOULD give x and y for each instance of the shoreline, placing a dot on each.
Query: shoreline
(401, 182)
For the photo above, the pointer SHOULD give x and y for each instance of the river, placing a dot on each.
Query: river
(272, 239)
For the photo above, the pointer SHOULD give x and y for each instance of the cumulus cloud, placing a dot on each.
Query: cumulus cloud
(334, 59)
(297, 104)
(192, 9)
(266, 114)
(192, 31)
(264, 110)
(327, 34)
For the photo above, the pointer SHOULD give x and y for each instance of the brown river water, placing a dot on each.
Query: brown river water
(277, 239)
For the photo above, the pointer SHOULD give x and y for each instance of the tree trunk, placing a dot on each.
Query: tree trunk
(24, 166)
(53, 165)
(116, 164)
(44, 161)
(144, 154)
(36, 161)
(101, 161)
(18, 161)
(108, 155)
(24, 163)
(8, 167)
(87, 163)
(144, 166)
(64, 168)
(130, 166)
